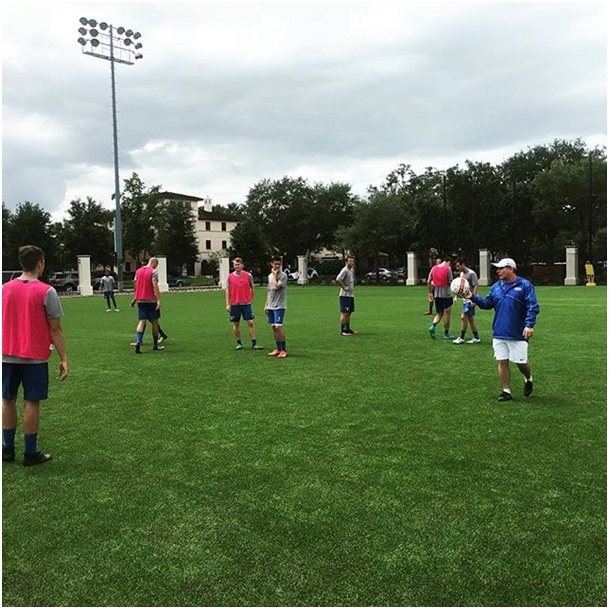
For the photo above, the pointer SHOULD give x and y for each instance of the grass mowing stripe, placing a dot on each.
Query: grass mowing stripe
(368, 470)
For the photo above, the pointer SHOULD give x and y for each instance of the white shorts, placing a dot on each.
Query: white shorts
(516, 351)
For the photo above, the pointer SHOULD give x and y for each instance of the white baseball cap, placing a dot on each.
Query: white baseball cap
(505, 262)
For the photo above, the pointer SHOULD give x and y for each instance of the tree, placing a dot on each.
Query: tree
(248, 242)
(138, 210)
(177, 236)
(10, 260)
(30, 225)
(87, 231)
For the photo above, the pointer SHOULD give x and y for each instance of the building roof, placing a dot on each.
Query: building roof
(217, 215)
(178, 197)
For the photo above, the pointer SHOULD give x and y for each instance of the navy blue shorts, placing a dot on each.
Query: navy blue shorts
(347, 304)
(109, 294)
(237, 311)
(275, 316)
(469, 310)
(147, 311)
(33, 377)
(442, 304)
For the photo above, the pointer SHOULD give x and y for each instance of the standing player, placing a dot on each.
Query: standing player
(469, 308)
(239, 299)
(148, 299)
(107, 285)
(439, 280)
(430, 297)
(31, 326)
(516, 310)
(275, 305)
(346, 280)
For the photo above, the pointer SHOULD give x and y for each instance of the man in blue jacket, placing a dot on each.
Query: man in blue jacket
(516, 310)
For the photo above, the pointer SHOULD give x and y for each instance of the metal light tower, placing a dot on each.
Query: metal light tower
(117, 45)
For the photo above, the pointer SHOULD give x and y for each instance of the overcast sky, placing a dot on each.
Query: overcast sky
(229, 93)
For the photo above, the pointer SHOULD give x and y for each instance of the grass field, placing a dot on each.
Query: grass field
(377, 470)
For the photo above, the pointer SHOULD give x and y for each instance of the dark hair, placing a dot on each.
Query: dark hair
(30, 256)
(276, 259)
(238, 260)
(460, 260)
(447, 258)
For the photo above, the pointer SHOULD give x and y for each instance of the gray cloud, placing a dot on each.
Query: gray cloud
(230, 94)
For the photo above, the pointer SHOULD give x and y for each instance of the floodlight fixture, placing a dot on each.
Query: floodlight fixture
(110, 44)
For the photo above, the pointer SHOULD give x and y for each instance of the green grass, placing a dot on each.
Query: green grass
(377, 470)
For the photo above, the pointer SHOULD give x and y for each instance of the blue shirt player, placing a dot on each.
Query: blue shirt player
(516, 310)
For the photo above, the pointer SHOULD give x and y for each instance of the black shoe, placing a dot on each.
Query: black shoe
(8, 454)
(158, 348)
(35, 458)
(138, 348)
(528, 388)
(504, 397)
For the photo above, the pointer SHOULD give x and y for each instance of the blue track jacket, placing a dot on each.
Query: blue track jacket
(515, 305)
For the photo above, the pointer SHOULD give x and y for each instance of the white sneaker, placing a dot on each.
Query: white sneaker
(108, 310)
(473, 341)
(116, 310)
(458, 341)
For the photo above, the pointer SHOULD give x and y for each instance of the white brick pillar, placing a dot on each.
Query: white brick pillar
(571, 278)
(84, 276)
(412, 277)
(303, 271)
(224, 272)
(485, 267)
(161, 270)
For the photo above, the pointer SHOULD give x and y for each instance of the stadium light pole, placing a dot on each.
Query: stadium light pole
(116, 45)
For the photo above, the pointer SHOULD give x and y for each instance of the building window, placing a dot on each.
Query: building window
(208, 244)
(208, 226)
(223, 227)
(224, 245)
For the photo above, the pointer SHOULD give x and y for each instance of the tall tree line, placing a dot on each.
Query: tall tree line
(530, 206)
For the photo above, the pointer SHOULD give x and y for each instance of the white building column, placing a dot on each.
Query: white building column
(485, 267)
(412, 277)
(161, 270)
(224, 272)
(303, 271)
(571, 278)
(84, 275)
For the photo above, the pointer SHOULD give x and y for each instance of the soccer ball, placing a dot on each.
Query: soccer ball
(459, 286)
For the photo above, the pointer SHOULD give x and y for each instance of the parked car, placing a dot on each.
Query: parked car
(383, 275)
(311, 274)
(64, 281)
(176, 282)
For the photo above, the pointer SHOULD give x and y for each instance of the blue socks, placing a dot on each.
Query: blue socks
(8, 437)
(31, 440)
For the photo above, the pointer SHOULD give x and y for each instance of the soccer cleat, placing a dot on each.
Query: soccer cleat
(257, 347)
(239, 346)
(458, 341)
(35, 458)
(347, 333)
(274, 352)
(528, 388)
(8, 454)
(116, 311)
(353, 332)
(448, 337)
(138, 348)
(158, 348)
(282, 354)
(432, 331)
(108, 310)
(473, 341)
(504, 397)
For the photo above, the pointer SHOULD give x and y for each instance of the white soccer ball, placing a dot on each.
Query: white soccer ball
(459, 286)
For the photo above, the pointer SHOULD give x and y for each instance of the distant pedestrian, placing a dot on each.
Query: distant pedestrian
(107, 286)
(346, 280)
(275, 306)
(239, 299)
(516, 310)
(31, 328)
